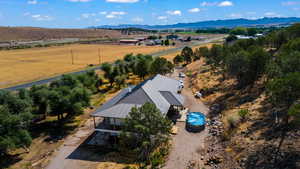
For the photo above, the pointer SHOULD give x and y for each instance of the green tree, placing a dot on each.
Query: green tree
(90, 80)
(239, 31)
(231, 38)
(178, 59)
(121, 80)
(143, 67)
(216, 55)
(15, 117)
(283, 64)
(285, 91)
(144, 130)
(110, 72)
(40, 97)
(238, 65)
(167, 42)
(70, 101)
(161, 66)
(251, 31)
(204, 52)
(187, 54)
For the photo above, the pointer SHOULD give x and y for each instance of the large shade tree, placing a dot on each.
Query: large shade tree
(145, 129)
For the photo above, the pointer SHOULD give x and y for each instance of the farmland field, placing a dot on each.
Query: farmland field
(20, 66)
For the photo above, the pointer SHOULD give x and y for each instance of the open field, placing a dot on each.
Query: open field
(32, 33)
(20, 66)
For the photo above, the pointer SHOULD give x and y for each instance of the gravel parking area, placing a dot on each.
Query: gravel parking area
(187, 147)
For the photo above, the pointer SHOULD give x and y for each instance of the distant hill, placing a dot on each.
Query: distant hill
(263, 22)
(33, 33)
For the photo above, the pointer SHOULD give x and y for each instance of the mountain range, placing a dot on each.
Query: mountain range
(229, 23)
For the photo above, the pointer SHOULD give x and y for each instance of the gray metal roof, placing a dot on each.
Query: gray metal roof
(171, 98)
(159, 90)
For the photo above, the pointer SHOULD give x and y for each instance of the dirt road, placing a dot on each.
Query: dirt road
(187, 146)
(68, 155)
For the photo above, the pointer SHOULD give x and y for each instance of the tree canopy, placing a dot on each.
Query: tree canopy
(144, 130)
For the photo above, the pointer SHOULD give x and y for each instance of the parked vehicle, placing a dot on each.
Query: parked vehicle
(198, 95)
(181, 75)
(195, 122)
(180, 88)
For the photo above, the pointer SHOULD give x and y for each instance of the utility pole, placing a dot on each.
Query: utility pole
(72, 56)
(99, 56)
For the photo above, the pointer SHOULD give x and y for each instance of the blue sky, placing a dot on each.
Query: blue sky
(84, 13)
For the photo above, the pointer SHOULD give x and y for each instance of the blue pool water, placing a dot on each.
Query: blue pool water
(196, 119)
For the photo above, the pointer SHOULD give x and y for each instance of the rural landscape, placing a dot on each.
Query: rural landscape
(132, 84)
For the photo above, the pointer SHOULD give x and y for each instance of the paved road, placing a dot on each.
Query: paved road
(156, 54)
(45, 81)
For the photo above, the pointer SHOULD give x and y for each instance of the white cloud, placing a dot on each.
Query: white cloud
(110, 16)
(225, 3)
(235, 15)
(194, 10)
(26, 14)
(138, 19)
(162, 17)
(123, 1)
(220, 4)
(103, 13)
(32, 2)
(79, 0)
(118, 13)
(115, 14)
(290, 3)
(87, 15)
(97, 20)
(39, 17)
(271, 14)
(208, 3)
(176, 12)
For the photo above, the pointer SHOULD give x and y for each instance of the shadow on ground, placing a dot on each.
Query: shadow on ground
(95, 153)
(7, 160)
(264, 159)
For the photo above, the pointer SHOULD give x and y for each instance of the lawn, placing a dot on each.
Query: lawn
(25, 65)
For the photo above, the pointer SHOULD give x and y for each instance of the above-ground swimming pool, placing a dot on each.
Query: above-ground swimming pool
(195, 121)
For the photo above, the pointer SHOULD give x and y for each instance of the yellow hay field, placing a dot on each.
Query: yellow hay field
(20, 66)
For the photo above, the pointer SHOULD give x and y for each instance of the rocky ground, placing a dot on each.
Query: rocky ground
(233, 142)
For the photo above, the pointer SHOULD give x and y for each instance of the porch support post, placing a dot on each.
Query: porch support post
(94, 121)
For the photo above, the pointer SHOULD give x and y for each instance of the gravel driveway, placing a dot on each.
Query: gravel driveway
(187, 146)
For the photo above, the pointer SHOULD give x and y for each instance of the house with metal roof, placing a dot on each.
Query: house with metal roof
(159, 90)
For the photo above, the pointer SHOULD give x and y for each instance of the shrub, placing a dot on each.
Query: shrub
(232, 122)
(243, 113)
(157, 158)
(189, 73)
